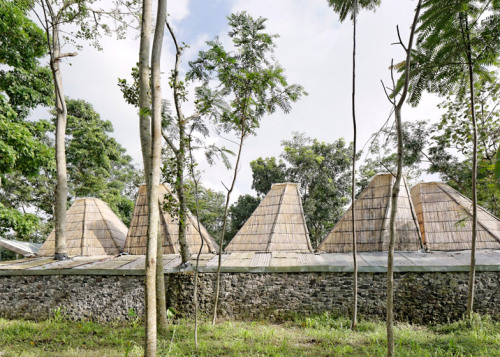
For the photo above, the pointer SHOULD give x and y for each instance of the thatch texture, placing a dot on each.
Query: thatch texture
(373, 208)
(92, 229)
(137, 234)
(277, 225)
(445, 218)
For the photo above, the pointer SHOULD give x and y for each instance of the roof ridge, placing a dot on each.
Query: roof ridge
(271, 234)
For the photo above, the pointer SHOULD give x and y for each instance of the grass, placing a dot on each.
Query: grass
(311, 336)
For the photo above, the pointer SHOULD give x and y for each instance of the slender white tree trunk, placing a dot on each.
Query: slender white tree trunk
(144, 87)
(145, 135)
(472, 274)
(161, 301)
(224, 223)
(180, 154)
(353, 183)
(396, 187)
(61, 192)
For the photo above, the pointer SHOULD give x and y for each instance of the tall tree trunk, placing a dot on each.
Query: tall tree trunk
(144, 87)
(145, 136)
(221, 242)
(472, 274)
(353, 183)
(195, 290)
(61, 194)
(51, 23)
(396, 187)
(161, 301)
(180, 154)
(184, 249)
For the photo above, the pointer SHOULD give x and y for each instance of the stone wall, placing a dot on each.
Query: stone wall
(423, 297)
(96, 297)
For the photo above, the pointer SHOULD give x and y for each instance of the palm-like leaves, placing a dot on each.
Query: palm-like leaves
(344, 7)
(439, 63)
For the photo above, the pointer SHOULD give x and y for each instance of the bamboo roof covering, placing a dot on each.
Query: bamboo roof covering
(445, 220)
(373, 208)
(259, 262)
(92, 229)
(26, 249)
(277, 225)
(137, 234)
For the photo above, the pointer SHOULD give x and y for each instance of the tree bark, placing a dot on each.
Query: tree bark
(221, 242)
(61, 194)
(144, 87)
(161, 301)
(180, 154)
(152, 191)
(195, 291)
(396, 188)
(472, 274)
(50, 21)
(184, 249)
(353, 183)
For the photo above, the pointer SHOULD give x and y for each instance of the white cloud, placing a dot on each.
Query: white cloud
(315, 51)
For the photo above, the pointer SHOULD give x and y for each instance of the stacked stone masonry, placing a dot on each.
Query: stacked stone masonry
(430, 297)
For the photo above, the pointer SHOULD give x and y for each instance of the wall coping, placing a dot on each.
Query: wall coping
(255, 262)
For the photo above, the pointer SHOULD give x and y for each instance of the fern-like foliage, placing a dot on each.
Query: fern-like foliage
(446, 29)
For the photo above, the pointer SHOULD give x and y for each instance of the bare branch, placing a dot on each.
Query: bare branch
(69, 54)
(386, 94)
(400, 40)
(170, 143)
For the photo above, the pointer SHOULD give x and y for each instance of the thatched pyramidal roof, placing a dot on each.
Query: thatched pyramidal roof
(277, 225)
(137, 234)
(445, 218)
(373, 208)
(92, 229)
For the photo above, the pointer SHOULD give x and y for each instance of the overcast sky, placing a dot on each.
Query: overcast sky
(314, 48)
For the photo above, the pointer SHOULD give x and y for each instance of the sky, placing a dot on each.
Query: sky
(314, 48)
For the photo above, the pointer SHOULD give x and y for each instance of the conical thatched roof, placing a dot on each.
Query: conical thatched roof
(92, 229)
(373, 208)
(137, 234)
(277, 225)
(445, 220)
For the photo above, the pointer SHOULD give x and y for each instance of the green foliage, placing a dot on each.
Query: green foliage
(450, 151)
(22, 42)
(210, 206)
(85, 20)
(131, 91)
(323, 172)
(382, 153)
(24, 84)
(98, 165)
(445, 147)
(239, 212)
(20, 150)
(249, 78)
(265, 172)
(345, 7)
(24, 224)
(439, 63)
